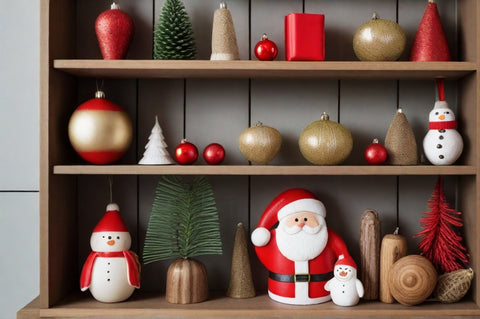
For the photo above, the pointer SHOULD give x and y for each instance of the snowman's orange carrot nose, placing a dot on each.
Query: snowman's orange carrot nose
(111, 242)
(442, 117)
(343, 273)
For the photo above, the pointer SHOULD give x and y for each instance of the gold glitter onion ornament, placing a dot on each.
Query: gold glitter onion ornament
(325, 142)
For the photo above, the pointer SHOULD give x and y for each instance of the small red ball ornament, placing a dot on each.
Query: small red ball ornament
(214, 153)
(114, 29)
(266, 50)
(99, 130)
(186, 153)
(375, 153)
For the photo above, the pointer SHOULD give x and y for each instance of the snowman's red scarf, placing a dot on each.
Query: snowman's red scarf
(445, 125)
(133, 267)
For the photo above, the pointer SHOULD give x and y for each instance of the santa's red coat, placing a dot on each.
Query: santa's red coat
(274, 261)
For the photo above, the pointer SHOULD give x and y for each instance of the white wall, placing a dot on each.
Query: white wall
(19, 143)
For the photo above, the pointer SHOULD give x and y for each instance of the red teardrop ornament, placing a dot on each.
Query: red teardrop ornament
(114, 29)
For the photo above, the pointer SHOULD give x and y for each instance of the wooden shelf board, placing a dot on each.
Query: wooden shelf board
(261, 170)
(154, 305)
(264, 69)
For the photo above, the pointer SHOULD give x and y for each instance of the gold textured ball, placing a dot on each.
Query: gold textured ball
(100, 131)
(412, 280)
(379, 40)
(260, 143)
(325, 142)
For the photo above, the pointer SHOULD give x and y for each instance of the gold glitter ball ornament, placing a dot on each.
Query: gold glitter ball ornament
(325, 142)
(379, 40)
(260, 143)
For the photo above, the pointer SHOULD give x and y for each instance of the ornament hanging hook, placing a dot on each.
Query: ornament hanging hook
(110, 185)
(101, 84)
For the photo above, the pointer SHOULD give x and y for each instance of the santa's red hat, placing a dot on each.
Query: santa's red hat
(289, 202)
(346, 261)
(111, 221)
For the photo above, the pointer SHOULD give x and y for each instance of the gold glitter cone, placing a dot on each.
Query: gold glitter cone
(241, 282)
(400, 142)
(224, 40)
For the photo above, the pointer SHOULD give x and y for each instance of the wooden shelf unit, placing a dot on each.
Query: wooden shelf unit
(61, 73)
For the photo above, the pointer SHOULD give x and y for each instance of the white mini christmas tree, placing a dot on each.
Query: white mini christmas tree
(156, 149)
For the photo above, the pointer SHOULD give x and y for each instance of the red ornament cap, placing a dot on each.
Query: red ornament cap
(100, 103)
(111, 221)
(346, 261)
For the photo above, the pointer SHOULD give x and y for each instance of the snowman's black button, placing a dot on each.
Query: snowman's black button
(442, 131)
(441, 137)
(439, 145)
(441, 157)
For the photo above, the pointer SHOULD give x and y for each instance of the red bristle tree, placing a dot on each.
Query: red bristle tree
(441, 241)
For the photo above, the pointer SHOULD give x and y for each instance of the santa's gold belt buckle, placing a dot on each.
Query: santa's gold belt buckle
(301, 278)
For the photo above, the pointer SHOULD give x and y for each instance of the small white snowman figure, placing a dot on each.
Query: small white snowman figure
(442, 144)
(111, 271)
(345, 289)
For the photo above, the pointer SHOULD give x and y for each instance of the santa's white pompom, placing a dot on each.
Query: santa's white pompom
(260, 236)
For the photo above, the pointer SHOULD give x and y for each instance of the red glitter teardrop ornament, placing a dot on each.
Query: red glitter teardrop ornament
(114, 29)
(430, 43)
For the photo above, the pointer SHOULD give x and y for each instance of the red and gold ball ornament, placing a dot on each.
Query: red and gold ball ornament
(186, 153)
(213, 154)
(375, 153)
(266, 50)
(114, 29)
(99, 130)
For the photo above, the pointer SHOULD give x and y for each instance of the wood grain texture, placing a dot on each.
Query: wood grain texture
(187, 282)
(393, 248)
(370, 234)
(412, 279)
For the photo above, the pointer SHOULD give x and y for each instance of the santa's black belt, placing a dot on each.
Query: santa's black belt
(301, 277)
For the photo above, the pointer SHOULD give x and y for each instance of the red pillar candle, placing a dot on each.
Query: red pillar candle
(305, 37)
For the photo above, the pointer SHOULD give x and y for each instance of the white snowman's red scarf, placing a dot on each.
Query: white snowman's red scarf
(445, 125)
(133, 267)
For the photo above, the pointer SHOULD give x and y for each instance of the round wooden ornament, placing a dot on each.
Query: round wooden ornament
(412, 280)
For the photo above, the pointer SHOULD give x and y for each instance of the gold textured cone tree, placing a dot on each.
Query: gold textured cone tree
(241, 281)
(400, 142)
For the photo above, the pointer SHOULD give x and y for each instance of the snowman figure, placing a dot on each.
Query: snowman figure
(442, 145)
(345, 289)
(111, 271)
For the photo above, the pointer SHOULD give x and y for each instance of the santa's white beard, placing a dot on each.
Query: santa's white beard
(302, 244)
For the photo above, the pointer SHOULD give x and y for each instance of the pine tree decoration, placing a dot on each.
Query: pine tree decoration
(156, 149)
(183, 224)
(173, 36)
(441, 242)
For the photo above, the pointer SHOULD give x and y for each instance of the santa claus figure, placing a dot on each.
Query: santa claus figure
(293, 242)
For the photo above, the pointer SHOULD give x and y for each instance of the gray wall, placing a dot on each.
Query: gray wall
(19, 49)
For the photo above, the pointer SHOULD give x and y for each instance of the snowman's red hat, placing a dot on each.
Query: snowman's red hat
(346, 261)
(289, 202)
(111, 221)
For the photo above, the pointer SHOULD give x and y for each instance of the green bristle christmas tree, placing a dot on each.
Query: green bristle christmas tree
(173, 36)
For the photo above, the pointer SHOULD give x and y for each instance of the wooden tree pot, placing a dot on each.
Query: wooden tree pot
(187, 282)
